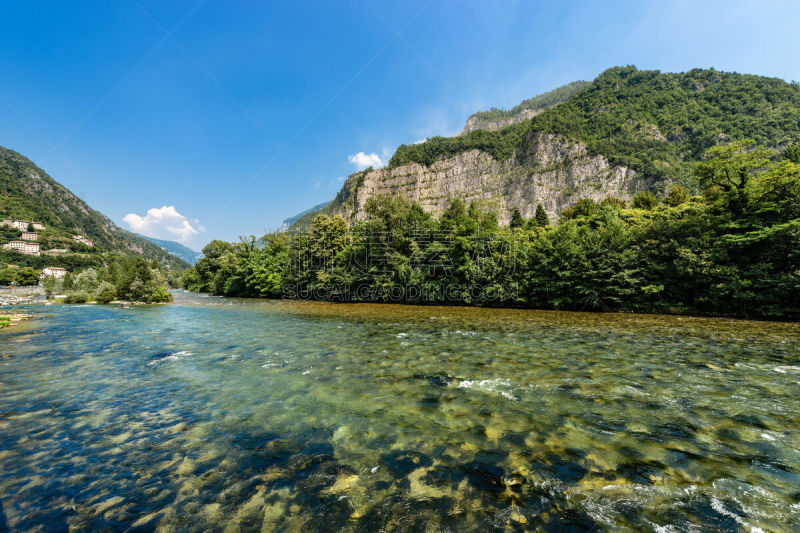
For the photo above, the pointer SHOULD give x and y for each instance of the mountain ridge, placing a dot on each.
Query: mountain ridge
(27, 192)
(643, 127)
(175, 248)
(291, 221)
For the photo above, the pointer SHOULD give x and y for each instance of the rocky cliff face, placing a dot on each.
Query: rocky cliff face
(556, 148)
(477, 122)
(547, 169)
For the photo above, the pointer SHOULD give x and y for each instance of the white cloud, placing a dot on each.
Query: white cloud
(362, 160)
(163, 223)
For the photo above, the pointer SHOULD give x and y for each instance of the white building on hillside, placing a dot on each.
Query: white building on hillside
(18, 246)
(23, 247)
(22, 225)
(29, 235)
(55, 272)
(84, 240)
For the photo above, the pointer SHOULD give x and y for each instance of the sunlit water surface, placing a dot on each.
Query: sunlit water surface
(237, 415)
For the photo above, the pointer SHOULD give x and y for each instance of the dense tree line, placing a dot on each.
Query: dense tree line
(124, 278)
(68, 261)
(734, 250)
(24, 276)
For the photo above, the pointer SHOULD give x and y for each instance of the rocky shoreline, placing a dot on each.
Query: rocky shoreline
(8, 320)
(12, 299)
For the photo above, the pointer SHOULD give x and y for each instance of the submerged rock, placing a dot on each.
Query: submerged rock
(401, 463)
(485, 476)
(437, 380)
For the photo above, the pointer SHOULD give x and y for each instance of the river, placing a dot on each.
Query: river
(238, 415)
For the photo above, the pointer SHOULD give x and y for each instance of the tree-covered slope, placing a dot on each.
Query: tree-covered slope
(538, 102)
(291, 221)
(176, 249)
(659, 123)
(656, 123)
(28, 193)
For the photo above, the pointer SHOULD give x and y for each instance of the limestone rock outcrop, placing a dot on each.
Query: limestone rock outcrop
(547, 169)
(477, 122)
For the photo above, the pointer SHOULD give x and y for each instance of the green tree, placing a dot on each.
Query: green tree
(267, 267)
(541, 218)
(26, 276)
(392, 211)
(105, 293)
(613, 202)
(645, 200)
(50, 285)
(141, 281)
(517, 221)
(792, 152)
(156, 289)
(327, 237)
(584, 266)
(455, 218)
(677, 195)
(484, 218)
(776, 192)
(6, 276)
(585, 207)
(730, 167)
(229, 280)
(192, 280)
(86, 280)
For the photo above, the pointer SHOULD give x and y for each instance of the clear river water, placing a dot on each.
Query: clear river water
(252, 415)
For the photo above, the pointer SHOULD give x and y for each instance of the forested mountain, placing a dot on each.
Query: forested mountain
(304, 217)
(28, 193)
(625, 132)
(175, 248)
(655, 123)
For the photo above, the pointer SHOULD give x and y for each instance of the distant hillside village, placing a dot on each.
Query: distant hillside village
(28, 243)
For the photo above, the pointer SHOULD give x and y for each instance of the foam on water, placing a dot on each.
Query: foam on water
(172, 356)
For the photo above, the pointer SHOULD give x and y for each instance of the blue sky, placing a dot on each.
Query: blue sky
(238, 114)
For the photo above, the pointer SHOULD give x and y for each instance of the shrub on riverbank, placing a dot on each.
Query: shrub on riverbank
(105, 293)
(77, 297)
(130, 279)
(735, 250)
